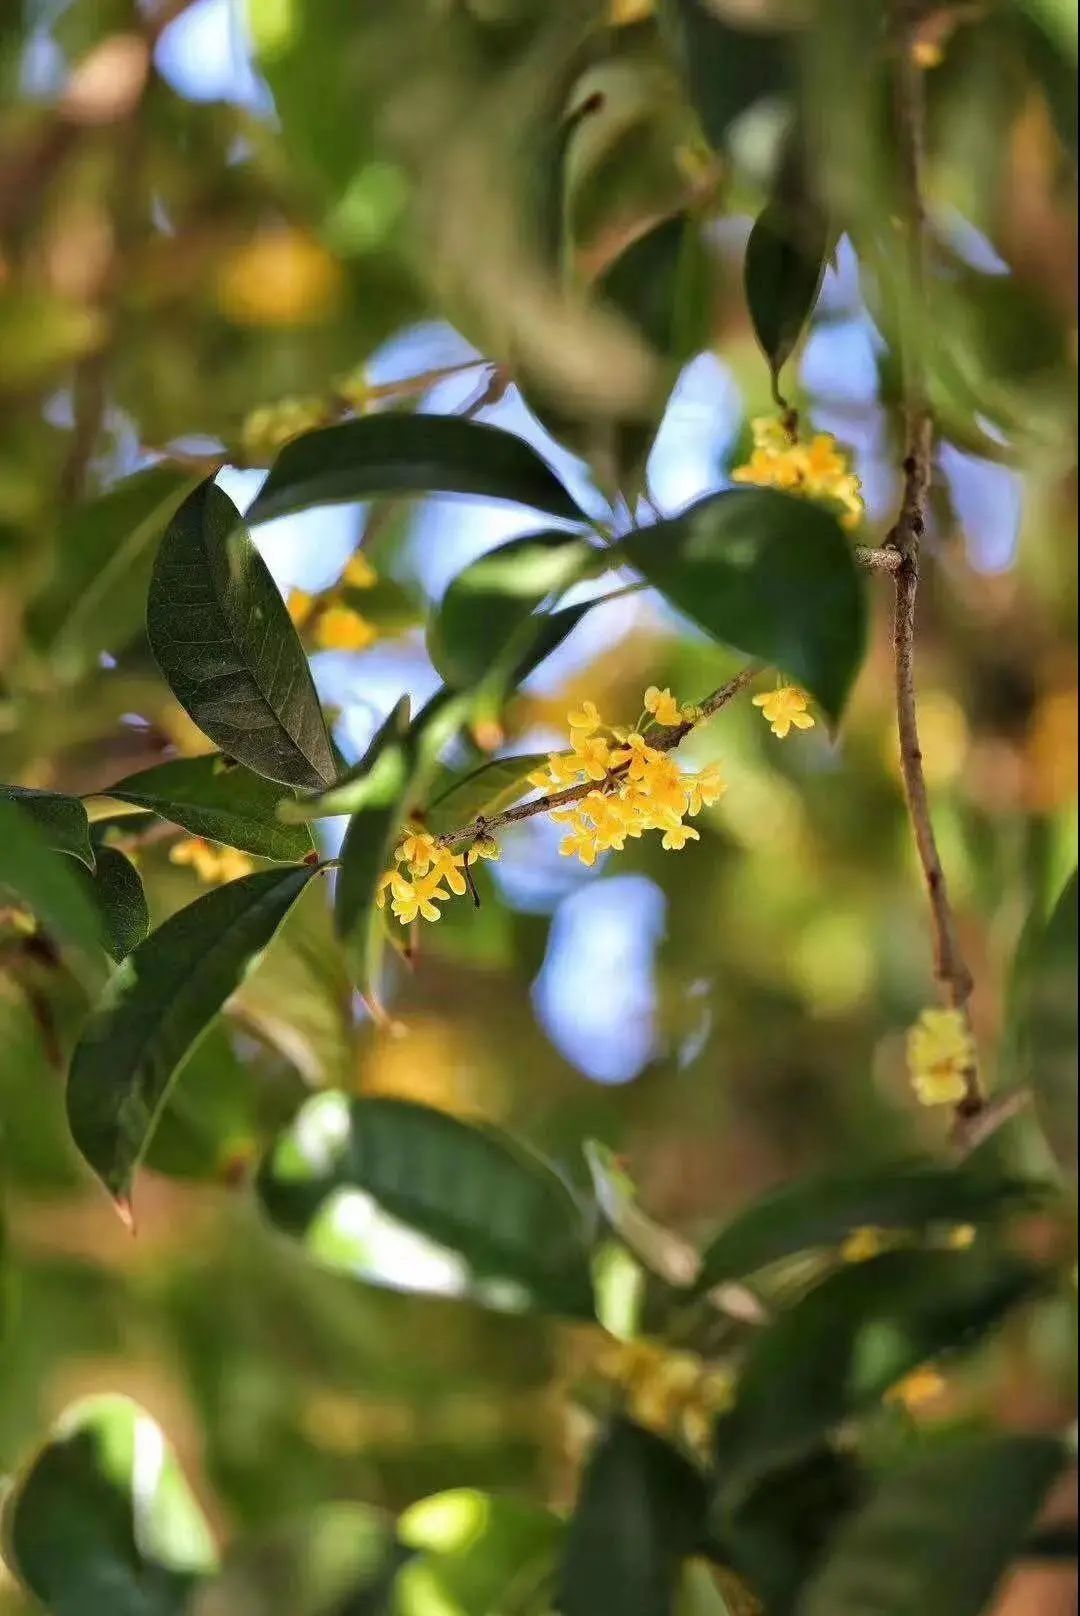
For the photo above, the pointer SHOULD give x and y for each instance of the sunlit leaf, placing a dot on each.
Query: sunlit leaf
(516, 1233)
(160, 1001)
(352, 789)
(909, 1197)
(458, 798)
(640, 1513)
(59, 820)
(102, 1522)
(838, 1350)
(218, 799)
(409, 454)
(222, 637)
(476, 1553)
(939, 1533)
(767, 574)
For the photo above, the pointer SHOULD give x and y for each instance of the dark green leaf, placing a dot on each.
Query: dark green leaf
(786, 255)
(222, 637)
(839, 1349)
(409, 454)
(476, 1553)
(103, 1523)
(117, 893)
(60, 821)
(641, 1511)
(160, 1001)
(96, 599)
(768, 574)
(47, 882)
(488, 789)
(1043, 1032)
(938, 1534)
(479, 1196)
(728, 68)
(824, 1210)
(219, 799)
(662, 283)
(353, 788)
(488, 604)
(209, 1121)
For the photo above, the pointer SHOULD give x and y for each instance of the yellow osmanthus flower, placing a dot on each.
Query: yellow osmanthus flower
(816, 469)
(961, 1237)
(339, 628)
(922, 1386)
(585, 718)
(300, 606)
(410, 898)
(279, 277)
(268, 428)
(359, 573)
(783, 708)
(673, 1393)
(940, 1052)
(862, 1244)
(663, 706)
(214, 865)
(421, 864)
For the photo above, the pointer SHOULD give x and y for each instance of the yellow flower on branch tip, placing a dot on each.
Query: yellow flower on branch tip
(940, 1052)
(784, 707)
(340, 629)
(862, 1244)
(300, 606)
(448, 866)
(593, 755)
(359, 573)
(678, 836)
(585, 718)
(704, 788)
(638, 755)
(417, 849)
(663, 706)
(412, 898)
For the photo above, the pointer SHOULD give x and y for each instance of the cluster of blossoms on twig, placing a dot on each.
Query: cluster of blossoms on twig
(421, 865)
(334, 625)
(817, 469)
(941, 1052)
(213, 865)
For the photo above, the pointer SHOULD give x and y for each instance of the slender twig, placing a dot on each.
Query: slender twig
(887, 559)
(664, 741)
(906, 537)
(973, 1127)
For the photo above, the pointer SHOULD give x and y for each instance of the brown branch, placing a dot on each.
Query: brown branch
(887, 559)
(973, 1127)
(950, 967)
(664, 742)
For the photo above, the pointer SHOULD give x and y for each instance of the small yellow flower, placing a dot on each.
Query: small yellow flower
(585, 718)
(862, 1244)
(940, 1052)
(663, 706)
(638, 755)
(592, 754)
(923, 1385)
(300, 606)
(417, 849)
(784, 707)
(419, 897)
(704, 788)
(340, 629)
(213, 865)
(678, 836)
(447, 866)
(359, 573)
(960, 1237)
(817, 469)
(485, 847)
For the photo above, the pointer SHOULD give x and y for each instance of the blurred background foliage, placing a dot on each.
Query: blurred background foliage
(219, 227)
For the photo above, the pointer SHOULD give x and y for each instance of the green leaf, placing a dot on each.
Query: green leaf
(222, 637)
(60, 821)
(786, 256)
(217, 798)
(838, 1350)
(939, 1533)
(116, 891)
(823, 1210)
(160, 1001)
(102, 1522)
(768, 574)
(663, 284)
(640, 1513)
(96, 599)
(728, 67)
(476, 1553)
(409, 454)
(456, 799)
(353, 789)
(490, 603)
(497, 1208)
(45, 881)
(1042, 1036)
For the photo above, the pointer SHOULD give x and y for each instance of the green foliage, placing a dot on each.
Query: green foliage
(769, 575)
(1043, 1032)
(217, 798)
(156, 1007)
(222, 637)
(117, 893)
(60, 821)
(45, 881)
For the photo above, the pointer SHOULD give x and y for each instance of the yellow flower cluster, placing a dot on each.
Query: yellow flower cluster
(921, 1386)
(816, 469)
(671, 1393)
(940, 1052)
(271, 426)
(421, 864)
(336, 626)
(783, 707)
(214, 865)
(639, 787)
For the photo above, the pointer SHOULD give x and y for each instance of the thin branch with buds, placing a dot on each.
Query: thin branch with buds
(906, 537)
